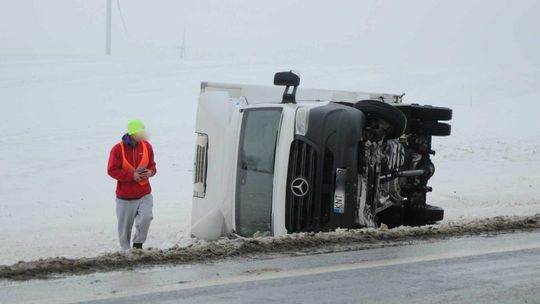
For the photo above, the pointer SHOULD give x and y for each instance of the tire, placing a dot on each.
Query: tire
(430, 128)
(422, 215)
(426, 112)
(379, 109)
(391, 217)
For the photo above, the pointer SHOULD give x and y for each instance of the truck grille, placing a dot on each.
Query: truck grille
(302, 212)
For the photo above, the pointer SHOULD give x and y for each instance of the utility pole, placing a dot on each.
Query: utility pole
(108, 28)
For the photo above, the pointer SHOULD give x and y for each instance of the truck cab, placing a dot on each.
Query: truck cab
(271, 161)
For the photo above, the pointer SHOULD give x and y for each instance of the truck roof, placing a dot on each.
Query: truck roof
(273, 94)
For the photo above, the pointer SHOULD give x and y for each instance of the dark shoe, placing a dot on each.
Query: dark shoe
(137, 245)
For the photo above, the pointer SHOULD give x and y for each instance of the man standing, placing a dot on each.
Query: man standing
(131, 163)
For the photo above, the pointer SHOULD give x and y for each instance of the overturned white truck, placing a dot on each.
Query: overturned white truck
(270, 161)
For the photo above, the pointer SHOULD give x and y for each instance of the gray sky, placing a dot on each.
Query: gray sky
(375, 32)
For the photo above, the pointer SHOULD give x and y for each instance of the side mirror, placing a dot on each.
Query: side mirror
(287, 79)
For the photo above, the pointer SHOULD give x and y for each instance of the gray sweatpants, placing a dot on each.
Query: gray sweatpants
(128, 212)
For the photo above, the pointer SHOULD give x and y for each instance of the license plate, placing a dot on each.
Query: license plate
(339, 191)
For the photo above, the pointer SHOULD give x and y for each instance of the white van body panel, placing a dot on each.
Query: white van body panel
(217, 117)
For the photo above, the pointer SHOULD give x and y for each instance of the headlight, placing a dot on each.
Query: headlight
(302, 114)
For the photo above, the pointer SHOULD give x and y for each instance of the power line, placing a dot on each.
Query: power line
(122, 18)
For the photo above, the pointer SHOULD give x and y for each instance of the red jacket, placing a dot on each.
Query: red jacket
(126, 187)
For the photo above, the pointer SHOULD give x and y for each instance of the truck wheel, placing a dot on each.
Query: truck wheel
(422, 215)
(384, 111)
(391, 217)
(426, 112)
(432, 128)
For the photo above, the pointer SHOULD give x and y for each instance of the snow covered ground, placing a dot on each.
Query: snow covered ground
(60, 116)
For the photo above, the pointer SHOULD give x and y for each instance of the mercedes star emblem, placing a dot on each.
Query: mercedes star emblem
(299, 186)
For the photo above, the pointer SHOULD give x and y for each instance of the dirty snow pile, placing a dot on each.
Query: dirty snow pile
(296, 243)
(61, 116)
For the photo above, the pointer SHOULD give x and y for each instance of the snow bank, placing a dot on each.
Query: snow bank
(302, 242)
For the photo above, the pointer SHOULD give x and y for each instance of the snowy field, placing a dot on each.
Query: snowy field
(60, 117)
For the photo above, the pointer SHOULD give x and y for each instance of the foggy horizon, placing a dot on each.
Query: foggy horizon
(498, 33)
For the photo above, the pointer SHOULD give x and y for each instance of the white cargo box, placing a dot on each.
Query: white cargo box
(273, 94)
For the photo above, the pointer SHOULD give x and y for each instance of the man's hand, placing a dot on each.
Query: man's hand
(146, 174)
(138, 176)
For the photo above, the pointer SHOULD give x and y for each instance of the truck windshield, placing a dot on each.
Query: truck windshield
(255, 172)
